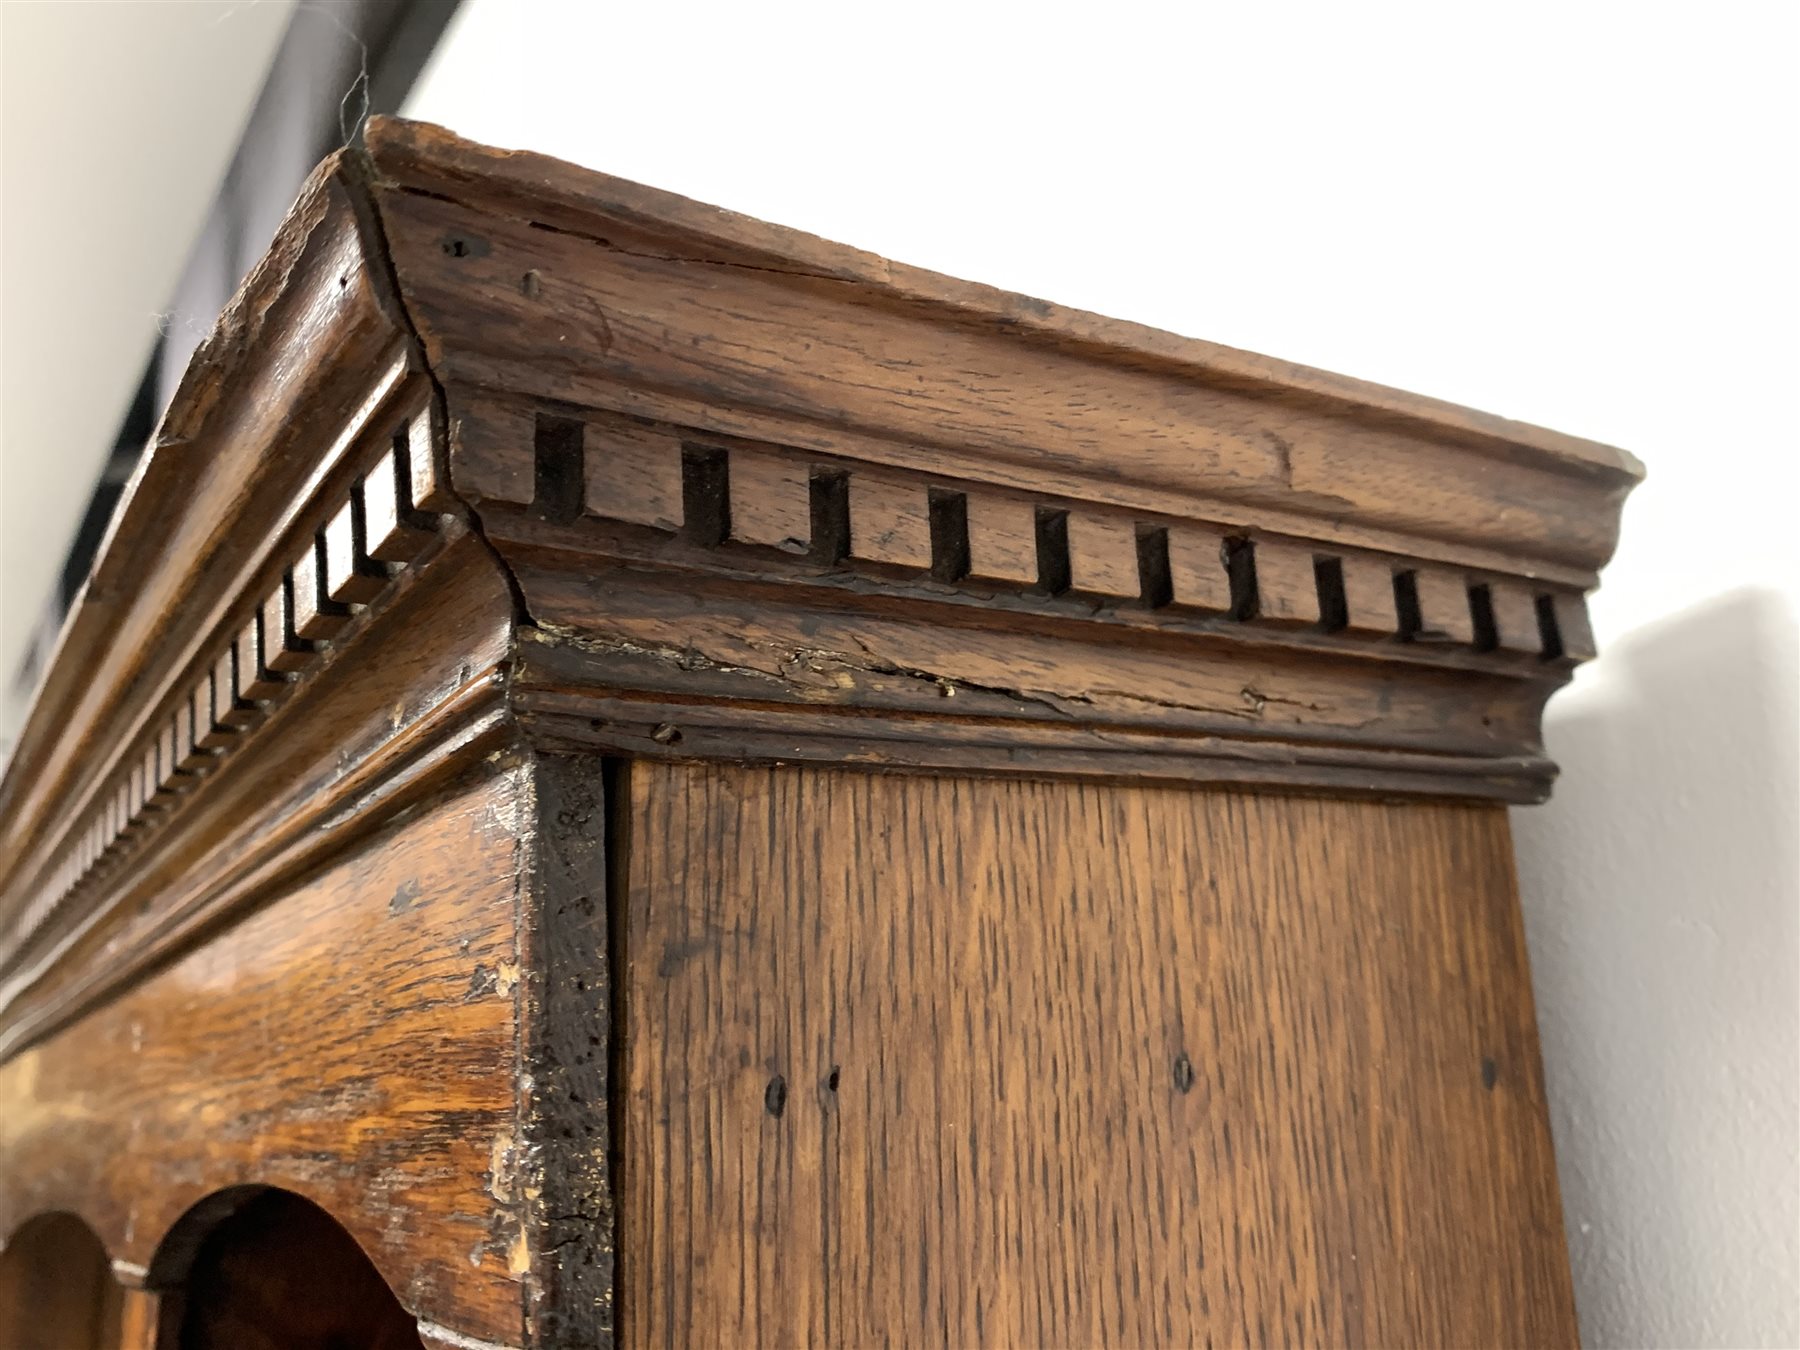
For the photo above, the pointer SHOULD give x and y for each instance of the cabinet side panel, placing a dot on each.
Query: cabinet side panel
(960, 1061)
(352, 1039)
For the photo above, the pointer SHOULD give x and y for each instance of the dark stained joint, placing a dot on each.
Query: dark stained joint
(1239, 557)
(1481, 612)
(1054, 572)
(558, 486)
(1334, 605)
(829, 503)
(1156, 584)
(949, 517)
(705, 494)
(1406, 605)
(1549, 629)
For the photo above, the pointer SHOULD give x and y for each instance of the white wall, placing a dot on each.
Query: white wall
(117, 122)
(1580, 214)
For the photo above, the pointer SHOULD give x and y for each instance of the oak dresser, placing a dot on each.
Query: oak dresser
(631, 777)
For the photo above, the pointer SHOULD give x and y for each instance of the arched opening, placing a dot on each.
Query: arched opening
(57, 1290)
(276, 1272)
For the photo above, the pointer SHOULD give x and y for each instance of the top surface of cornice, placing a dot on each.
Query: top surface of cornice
(432, 160)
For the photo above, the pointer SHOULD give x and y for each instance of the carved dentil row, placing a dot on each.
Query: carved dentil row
(379, 528)
(885, 523)
(975, 542)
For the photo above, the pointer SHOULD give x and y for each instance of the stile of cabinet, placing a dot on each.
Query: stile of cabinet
(631, 777)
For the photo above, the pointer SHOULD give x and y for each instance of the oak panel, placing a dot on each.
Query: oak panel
(56, 1290)
(353, 1042)
(954, 1061)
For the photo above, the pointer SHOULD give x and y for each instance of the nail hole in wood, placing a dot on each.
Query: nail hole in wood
(705, 494)
(831, 1079)
(1490, 1073)
(1184, 1073)
(1155, 583)
(949, 519)
(775, 1097)
(1054, 572)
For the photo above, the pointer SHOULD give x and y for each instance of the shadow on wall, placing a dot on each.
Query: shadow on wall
(1662, 905)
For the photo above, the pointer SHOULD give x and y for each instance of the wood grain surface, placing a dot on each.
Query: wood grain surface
(538, 277)
(453, 803)
(57, 1290)
(968, 1062)
(353, 1042)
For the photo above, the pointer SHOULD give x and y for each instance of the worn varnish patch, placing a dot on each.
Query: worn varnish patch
(957, 1061)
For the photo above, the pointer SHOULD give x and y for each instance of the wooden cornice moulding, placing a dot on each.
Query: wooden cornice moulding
(571, 461)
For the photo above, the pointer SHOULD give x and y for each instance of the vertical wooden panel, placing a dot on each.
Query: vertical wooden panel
(1103, 556)
(354, 1040)
(771, 502)
(633, 473)
(57, 1290)
(1286, 591)
(1369, 598)
(889, 522)
(947, 1061)
(1002, 540)
(1197, 570)
(141, 1319)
